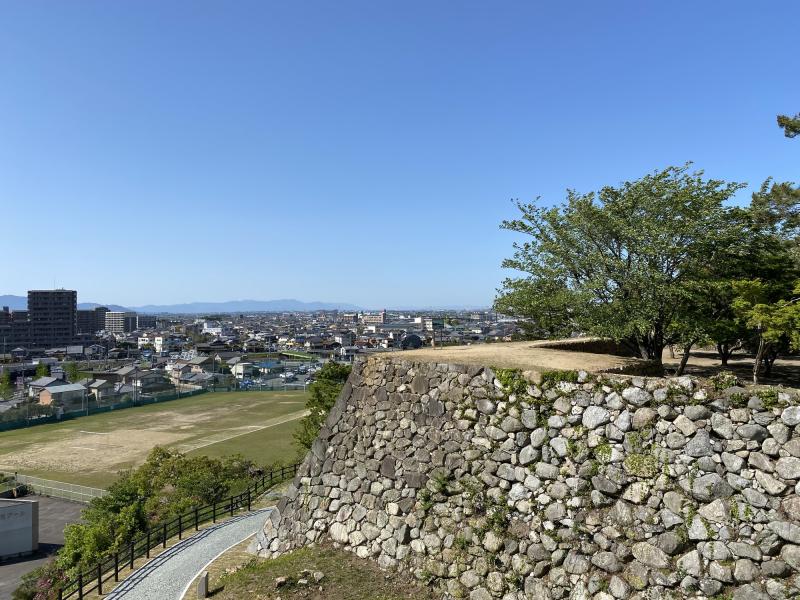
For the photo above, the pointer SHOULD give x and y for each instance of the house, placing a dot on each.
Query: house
(150, 381)
(37, 385)
(253, 345)
(100, 389)
(59, 395)
(201, 379)
(127, 374)
(201, 364)
(177, 370)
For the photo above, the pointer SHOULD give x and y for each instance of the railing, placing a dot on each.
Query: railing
(109, 568)
(59, 489)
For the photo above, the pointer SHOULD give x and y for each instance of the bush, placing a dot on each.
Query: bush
(724, 380)
(167, 484)
(322, 396)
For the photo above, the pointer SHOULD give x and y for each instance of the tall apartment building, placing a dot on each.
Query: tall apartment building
(15, 329)
(92, 320)
(145, 321)
(53, 317)
(120, 322)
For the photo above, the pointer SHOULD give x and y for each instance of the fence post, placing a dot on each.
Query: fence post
(133, 543)
(231, 505)
(180, 527)
(148, 544)
(196, 524)
(116, 565)
(249, 500)
(99, 579)
(164, 536)
(214, 512)
(80, 585)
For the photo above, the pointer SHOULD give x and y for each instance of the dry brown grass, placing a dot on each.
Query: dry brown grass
(518, 355)
(346, 577)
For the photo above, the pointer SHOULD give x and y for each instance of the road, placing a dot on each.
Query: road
(168, 575)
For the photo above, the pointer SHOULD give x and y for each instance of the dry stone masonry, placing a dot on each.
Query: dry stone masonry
(500, 484)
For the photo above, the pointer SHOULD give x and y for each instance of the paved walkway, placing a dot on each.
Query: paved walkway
(166, 576)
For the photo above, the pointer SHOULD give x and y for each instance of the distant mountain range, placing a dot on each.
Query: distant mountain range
(232, 306)
(240, 306)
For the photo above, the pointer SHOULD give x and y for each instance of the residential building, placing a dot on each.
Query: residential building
(15, 329)
(53, 317)
(145, 321)
(62, 394)
(378, 319)
(345, 338)
(91, 320)
(36, 386)
(120, 322)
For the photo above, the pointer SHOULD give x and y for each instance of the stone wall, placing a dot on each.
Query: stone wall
(499, 484)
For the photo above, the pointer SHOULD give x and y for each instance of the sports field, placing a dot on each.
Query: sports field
(92, 450)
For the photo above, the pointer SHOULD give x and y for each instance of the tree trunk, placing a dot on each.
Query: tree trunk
(687, 349)
(769, 359)
(762, 349)
(724, 354)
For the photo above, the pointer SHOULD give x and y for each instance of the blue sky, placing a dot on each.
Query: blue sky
(364, 152)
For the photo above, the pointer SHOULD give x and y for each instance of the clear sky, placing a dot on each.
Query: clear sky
(363, 152)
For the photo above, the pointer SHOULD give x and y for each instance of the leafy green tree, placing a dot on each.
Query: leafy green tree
(628, 262)
(776, 323)
(167, 484)
(790, 125)
(765, 248)
(6, 388)
(72, 372)
(42, 370)
(322, 396)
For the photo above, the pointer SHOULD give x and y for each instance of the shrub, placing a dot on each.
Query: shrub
(724, 380)
(322, 396)
(559, 376)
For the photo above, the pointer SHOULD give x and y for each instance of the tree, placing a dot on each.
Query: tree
(790, 125)
(765, 249)
(42, 370)
(167, 484)
(72, 372)
(628, 262)
(6, 389)
(322, 396)
(776, 324)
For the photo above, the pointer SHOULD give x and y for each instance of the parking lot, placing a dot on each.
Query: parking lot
(54, 515)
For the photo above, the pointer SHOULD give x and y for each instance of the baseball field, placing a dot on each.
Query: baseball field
(92, 450)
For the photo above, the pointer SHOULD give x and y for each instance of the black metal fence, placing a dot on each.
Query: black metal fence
(109, 569)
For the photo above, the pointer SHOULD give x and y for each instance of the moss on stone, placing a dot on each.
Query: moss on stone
(641, 465)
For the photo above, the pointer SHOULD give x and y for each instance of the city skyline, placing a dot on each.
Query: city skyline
(355, 153)
(19, 302)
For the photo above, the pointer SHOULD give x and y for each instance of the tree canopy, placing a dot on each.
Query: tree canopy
(167, 484)
(629, 262)
(790, 125)
(660, 260)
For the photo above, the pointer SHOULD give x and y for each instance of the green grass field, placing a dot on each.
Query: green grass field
(92, 450)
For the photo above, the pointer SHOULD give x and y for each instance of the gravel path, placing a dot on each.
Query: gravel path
(166, 576)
